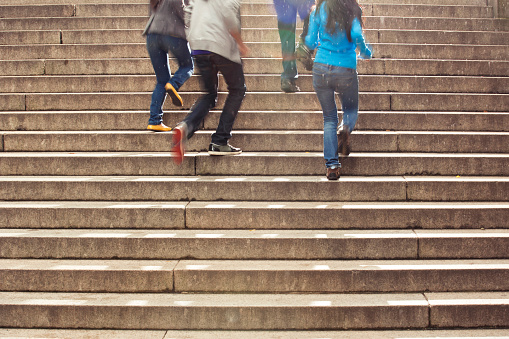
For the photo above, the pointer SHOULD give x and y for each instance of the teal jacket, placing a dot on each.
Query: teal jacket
(335, 49)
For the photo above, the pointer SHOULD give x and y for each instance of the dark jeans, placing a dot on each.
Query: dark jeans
(210, 65)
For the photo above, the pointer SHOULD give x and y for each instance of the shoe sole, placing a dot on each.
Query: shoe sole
(178, 148)
(175, 97)
(223, 153)
(159, 130)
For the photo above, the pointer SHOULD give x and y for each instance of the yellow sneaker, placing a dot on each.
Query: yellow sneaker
(159, 128)
(175, 97)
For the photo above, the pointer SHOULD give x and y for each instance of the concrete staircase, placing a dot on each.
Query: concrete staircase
(102, 236)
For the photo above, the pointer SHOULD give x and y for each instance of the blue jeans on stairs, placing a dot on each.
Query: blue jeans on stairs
(158, 47)
(328, 80)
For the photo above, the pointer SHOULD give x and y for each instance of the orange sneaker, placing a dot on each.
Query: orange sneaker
(159, 128)
(175, 97)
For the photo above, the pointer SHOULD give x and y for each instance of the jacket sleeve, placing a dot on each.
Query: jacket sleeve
(365, 50)
(311, 39)
(231, 15)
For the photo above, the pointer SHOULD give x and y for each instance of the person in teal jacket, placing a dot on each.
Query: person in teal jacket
(335, 31)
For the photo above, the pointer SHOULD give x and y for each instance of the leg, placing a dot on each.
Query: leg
(159, 59)
(209, 80)
(287, 21)
(233, 74)
(325, 94)
(350, 100)
(180, 50)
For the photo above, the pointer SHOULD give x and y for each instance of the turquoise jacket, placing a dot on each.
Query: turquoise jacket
(335, 49)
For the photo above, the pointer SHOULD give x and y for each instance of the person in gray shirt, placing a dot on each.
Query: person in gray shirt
(214, 35)
(165, 33)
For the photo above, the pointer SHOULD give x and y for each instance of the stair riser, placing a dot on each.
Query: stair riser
(256, 142)
(169, 190)
(240, 318)
(137, 66)
(311, 120)
(256, 165)
(252, 35)
(254, 21)
(260, 101)
(258, 50)
(253, 281)
(350, 247)
(254, 83)
(174, 215)
(142, 10)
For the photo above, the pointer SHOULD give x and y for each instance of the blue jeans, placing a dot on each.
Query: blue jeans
(210, 65)
(327, 80)
(158, 47)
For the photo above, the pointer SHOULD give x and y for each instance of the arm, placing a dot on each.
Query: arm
(311, 40)
(358, 39)
(232, 21)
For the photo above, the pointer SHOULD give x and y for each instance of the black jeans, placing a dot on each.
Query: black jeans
(210, 65)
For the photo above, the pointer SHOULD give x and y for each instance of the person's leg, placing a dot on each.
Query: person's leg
(159, 59)
(350, 101)
(287, 21)
(325, 95)
(179, 48)
(347, 86)
(209, 82)
(233, 75)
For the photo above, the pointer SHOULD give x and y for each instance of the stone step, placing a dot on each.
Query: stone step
(254, 21)
(244, 276)
(136, 66)
(88, 275)
(252, 188)
(254, 311)
(255, 120)
(252, 215)
(254, 83)
(142, 9)
(423, 2)
(255, 244)
(249, 34)
(206, 334)
(258, 50)
(257, 141)
(454, 102)
(369, 164)
(37, 11)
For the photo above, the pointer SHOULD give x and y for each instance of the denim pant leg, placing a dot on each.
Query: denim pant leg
(233, 75)
(348, 89)
(159, 59)
(325, 93)
(180, 50)
(209, 83)
(287, 22)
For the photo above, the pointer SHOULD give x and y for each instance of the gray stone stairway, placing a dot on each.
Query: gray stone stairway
(103, 236)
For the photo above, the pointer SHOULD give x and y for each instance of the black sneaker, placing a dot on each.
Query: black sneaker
(227, 149)
(289, 86)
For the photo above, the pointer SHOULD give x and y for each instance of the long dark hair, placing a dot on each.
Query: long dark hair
(340, 15)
